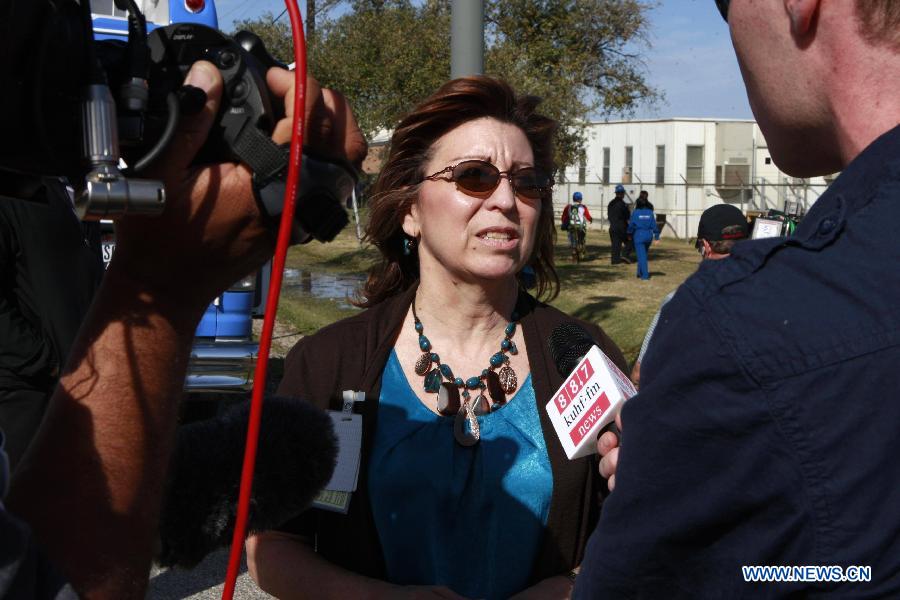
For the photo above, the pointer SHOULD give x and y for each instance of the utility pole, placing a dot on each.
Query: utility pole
(687, 233)
(466, 38)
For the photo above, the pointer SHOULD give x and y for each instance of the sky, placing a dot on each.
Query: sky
(690, 58)
(692, 62)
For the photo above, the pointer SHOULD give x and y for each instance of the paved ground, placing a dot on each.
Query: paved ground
(205, 582)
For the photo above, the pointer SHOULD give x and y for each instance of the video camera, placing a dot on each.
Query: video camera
(101, 112)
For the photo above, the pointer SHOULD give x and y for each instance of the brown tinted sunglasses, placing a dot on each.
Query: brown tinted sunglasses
(477, 177)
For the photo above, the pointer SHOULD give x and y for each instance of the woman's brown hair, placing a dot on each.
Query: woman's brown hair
(396, 190)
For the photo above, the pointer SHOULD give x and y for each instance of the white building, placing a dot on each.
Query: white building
(686, 166)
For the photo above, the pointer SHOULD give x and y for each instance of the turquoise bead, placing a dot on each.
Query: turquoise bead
(458, 382)
(484, 372)
(465, 394)
(424, 344)
(448, 374)
(433, 381)
(505, 344)
(512, 348)
(472, 382)
(435, 358)
(497, 359)
(510, 329)
(419, 327)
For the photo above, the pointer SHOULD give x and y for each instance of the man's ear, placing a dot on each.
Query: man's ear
(802, 14)
(707, 248)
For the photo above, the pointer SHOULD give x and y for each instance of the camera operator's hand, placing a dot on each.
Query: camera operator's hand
(211, 232)
(331, 129)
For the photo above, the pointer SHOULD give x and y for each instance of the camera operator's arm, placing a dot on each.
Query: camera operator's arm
(287, 567)
(90, 485)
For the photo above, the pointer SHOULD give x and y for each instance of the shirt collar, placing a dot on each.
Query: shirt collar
(856, 186)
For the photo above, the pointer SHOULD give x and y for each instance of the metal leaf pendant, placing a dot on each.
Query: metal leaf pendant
(465, 426)
(508, 380)
(423, 365)
(448, 399)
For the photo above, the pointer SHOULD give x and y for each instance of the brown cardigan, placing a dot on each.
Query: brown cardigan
(351, 355)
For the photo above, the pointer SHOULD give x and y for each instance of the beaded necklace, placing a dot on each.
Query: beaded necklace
(498, 384)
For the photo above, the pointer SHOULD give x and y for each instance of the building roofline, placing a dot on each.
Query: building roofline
(678, 119)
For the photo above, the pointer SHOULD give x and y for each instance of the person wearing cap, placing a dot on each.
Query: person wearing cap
(617, 213)
(575, 218)
(721, 227)
(643, 229)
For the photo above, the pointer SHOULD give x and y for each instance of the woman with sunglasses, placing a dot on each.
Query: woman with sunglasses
(464, 490)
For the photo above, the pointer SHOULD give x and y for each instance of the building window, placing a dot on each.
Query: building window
(660, 165)
(582, 171)
(629, 164)
(694, 170)
(606, 165)
(768, 160)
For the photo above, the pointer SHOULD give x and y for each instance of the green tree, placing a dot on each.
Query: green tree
(275, 32)
(385, 56)
(581, 56)
(575, 55)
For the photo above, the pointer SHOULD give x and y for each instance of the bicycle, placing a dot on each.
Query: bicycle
(577, 237)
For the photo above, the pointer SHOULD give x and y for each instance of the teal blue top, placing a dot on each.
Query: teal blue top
(467, 518)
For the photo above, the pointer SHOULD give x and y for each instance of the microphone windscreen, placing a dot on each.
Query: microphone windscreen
(295, 459)
(568, 345)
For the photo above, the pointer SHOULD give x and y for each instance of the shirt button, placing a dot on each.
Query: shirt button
(826, 226)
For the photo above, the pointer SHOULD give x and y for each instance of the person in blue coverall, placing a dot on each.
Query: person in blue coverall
(642, 227)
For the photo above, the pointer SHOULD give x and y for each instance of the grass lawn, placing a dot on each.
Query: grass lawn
(612, 296)
(594, 290)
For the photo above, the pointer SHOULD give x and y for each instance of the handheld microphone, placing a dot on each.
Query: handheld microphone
(592, 392)
(569, 343)
(296, 457)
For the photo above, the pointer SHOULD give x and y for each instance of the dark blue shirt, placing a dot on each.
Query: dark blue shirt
(767, 428)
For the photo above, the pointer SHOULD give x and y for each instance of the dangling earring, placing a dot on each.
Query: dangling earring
(409, 246)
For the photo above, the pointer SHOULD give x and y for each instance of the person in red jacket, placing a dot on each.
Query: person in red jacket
(575, 218)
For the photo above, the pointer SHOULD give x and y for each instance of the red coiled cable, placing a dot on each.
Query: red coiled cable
(265, 340)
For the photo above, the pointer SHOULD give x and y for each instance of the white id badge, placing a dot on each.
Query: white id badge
(348, 430)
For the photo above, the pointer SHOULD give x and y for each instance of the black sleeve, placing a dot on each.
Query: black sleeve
(24, 570)
(23, 349)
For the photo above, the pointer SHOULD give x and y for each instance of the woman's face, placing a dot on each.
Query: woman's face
(482, 237)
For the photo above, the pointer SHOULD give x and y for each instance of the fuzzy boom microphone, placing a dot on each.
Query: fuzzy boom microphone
(296, 457)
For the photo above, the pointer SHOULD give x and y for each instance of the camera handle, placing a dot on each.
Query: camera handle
(107, 193)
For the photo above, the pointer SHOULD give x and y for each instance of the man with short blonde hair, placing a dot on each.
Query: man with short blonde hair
(765, 431)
